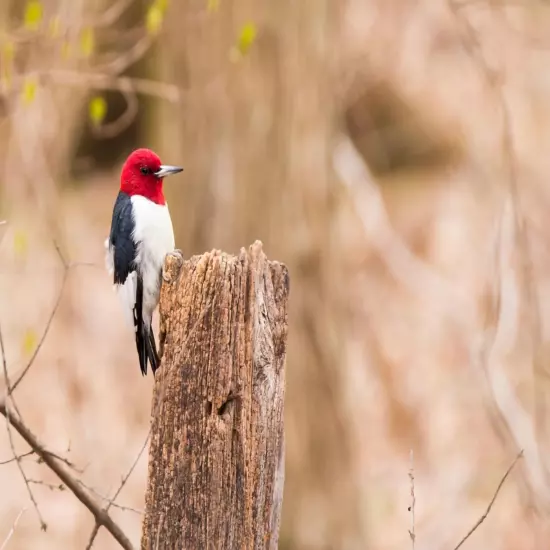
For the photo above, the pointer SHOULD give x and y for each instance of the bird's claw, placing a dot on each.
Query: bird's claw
(178, 253)
(172, 265)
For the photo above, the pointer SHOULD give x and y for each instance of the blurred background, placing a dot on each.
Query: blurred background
(394, 154)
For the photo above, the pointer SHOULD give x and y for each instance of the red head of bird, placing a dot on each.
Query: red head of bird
(143, 174)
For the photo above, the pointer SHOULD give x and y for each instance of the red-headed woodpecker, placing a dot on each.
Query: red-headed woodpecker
(141, 236)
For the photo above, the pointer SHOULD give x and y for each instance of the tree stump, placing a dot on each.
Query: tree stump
(216, 460)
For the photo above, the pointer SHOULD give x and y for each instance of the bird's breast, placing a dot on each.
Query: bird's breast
(154, 237)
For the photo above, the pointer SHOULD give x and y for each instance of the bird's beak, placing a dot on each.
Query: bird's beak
(166, 170)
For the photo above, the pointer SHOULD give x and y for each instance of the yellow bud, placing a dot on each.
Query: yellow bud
(7, 54)
(20, 244)
(87, 42)
(162, 5)
(246, 38)
(30, 340)
(97, 110)
(29, 90)
(153, 20)
(33, 15)
(213, 6)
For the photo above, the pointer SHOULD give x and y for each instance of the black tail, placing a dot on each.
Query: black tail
(145, 338)
(151, 348)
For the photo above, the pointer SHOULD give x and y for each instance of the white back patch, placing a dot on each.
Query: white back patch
(127, 296)
(126, 292)
(109, 258)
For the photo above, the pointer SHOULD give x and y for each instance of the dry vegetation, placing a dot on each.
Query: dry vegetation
(393, 154)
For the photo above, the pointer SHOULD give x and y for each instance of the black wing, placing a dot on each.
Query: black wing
(124, 248)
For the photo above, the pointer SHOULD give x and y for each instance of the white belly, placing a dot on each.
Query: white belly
(155, 235)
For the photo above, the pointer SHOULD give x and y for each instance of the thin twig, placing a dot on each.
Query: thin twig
(9, 420)
(107, 499)
(13, 528)
(50, 486)
(64, 460)
(60, 254)
(95, 530)
(8, 387)
(412, 533)
(93, 535)
(131, 470)
(18, 457)
(26, 369)
(484, 516)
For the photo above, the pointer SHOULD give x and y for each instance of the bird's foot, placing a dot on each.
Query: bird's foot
(172, 265)
(178, 254)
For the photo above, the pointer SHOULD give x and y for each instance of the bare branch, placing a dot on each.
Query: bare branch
(18, 457)
(60, 254)
(100, 515)
(40, 461)
(100, 81)
(12, 530)
(484, 516)
(93, 535)
(113, 129)
(131, 56)
(43, 524)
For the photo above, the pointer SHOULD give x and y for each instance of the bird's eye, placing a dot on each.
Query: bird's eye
(144, 170)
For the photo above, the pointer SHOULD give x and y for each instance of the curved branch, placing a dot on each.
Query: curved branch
(116, 127)
(102, 518)
(100, 81)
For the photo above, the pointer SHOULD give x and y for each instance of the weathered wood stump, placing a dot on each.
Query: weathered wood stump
(216, 461)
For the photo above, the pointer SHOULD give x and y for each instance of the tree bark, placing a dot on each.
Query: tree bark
(216, 461)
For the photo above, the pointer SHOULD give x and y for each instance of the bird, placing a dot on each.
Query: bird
(141, 236)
